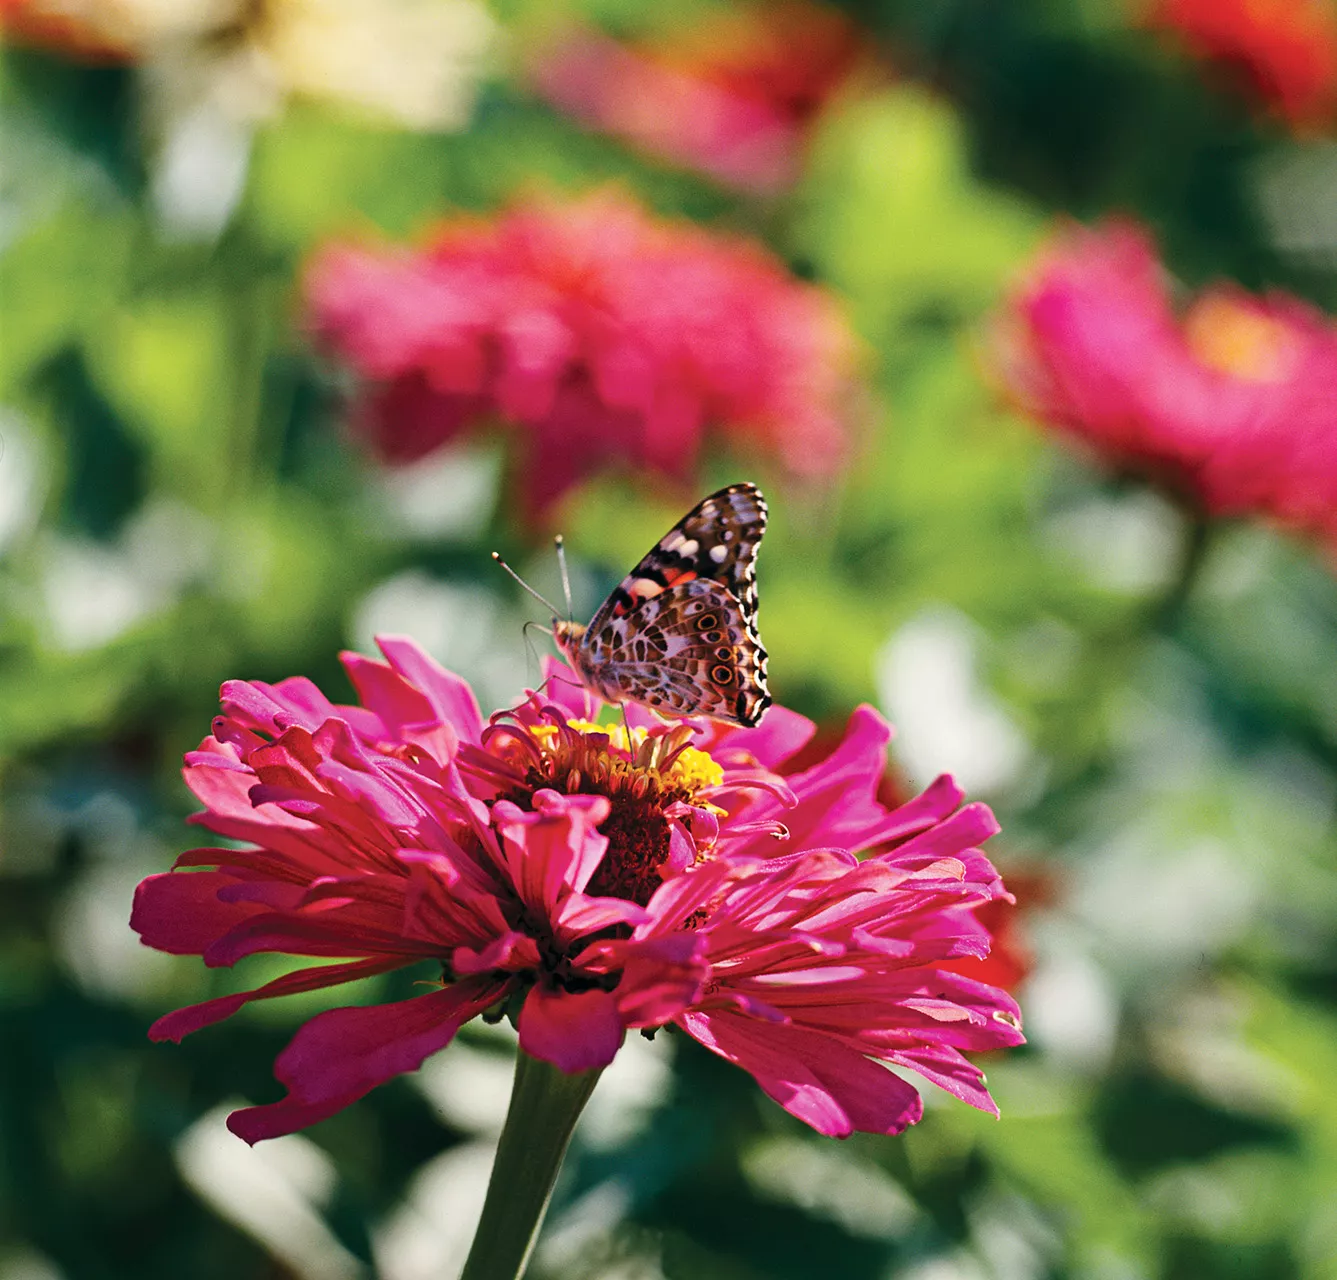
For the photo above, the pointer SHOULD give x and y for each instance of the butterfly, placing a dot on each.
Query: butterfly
(679, 634)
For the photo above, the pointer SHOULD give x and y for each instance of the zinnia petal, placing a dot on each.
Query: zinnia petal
(342, 1054)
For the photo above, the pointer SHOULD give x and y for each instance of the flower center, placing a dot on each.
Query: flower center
(643, 776)
(1239, 340)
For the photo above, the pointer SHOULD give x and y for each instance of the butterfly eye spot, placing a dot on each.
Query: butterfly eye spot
(708, 623)
(722, 674)
(713, 637)
(724, 653)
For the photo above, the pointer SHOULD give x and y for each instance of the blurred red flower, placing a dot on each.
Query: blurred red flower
(1231, 405)
(732, 96)
(590, 880)
(1285, 51)
(603, 336)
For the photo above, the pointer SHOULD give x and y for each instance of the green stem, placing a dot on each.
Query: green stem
(545, 1105)
(1197, 539)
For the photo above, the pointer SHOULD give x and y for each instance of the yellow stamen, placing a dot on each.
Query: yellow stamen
(1240, 340)
(691, 770)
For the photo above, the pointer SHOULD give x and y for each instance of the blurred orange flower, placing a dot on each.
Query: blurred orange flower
(1285, 51)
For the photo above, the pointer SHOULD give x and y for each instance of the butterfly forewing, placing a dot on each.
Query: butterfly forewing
(717, 539)
(679, 633)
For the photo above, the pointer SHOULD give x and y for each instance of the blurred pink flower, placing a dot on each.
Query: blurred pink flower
(733, 96)
(602, 336)
(1285, 51)
(1232, 406)
(593, 885)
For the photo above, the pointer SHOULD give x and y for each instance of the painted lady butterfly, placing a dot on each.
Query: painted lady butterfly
(679, 635)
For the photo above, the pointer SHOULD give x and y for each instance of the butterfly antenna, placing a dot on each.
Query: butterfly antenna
(543, 600)
(566, 577)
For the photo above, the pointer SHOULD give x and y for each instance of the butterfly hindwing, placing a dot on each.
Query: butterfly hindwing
(690, 651)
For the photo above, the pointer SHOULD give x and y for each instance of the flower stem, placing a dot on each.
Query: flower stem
(545, 1105)
(1197, 539)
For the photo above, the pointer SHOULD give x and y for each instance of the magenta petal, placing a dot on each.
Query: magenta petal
(946, 1068)
(966, 828)
(781, 733)
(343, 1054)
(574, 1031)
(182, 912)
(181, 1022)
(254, 1124)
(937, 801)
(580, 914)
(554, 849)
(395, 700)
(509, 951)
(660, 978)
(814, 1077)
(450, 695)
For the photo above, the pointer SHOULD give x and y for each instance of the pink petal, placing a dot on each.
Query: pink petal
(451, 696)
(341, 1055)
(780, 734)
(946, 1068)
(329, 933)
(509, 951)
(182, 1022)
(966, 828)
(557, 847)
(574, 1031)
(937, 801)
(382, 689)
(814, 1077)
(660, 978)
(183, 913)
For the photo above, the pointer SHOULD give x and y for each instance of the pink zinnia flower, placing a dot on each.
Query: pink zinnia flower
(550, 870)
(1285, 51)
(1231, 405)
(733, 96)
(602, 336)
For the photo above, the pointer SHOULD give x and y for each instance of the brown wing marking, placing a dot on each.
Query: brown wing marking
(690, 652)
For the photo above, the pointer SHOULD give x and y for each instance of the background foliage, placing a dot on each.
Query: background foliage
(180, 504)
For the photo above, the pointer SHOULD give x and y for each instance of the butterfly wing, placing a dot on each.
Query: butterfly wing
(679, 632)
(689, 651)
(717, 540)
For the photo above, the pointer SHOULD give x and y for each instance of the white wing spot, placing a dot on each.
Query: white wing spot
(688, 548)
(719, 553)
(644, 587)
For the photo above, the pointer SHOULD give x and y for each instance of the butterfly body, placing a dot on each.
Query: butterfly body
(679, 633)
